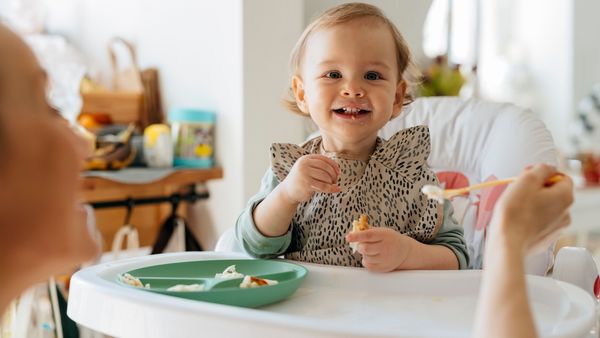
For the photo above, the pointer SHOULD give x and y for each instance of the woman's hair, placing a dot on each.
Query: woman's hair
(342, 14)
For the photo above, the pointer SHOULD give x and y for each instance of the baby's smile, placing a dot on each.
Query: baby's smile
(352, 109)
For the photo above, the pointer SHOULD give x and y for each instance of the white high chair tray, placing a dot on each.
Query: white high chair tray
(332, 302)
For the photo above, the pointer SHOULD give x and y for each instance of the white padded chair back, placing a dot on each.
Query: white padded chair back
(480, 139)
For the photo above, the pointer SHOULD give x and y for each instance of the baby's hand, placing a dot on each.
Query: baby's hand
(310, 174)
(382, 249)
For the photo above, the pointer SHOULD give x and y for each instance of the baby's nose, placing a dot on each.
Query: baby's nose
(352, 90)
(353, 93)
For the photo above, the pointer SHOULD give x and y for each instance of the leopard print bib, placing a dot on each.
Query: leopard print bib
(387, 188)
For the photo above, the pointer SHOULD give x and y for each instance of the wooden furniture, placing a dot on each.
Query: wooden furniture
(147, 217)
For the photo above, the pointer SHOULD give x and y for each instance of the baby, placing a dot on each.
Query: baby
(348, 75)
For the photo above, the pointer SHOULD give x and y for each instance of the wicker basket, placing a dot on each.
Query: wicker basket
(123, 107)
(125, 104)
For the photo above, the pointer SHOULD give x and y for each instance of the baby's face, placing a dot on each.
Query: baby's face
(349, 81)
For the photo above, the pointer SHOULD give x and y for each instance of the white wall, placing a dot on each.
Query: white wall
(407, 15)
(554, 50)
(197, 47)
(546, 31)
(586, 47)
(271, 28)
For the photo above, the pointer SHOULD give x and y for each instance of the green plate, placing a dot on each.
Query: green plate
(223, 291)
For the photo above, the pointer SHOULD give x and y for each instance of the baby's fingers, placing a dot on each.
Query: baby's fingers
(372, 235)
(321, 175)
(324, 187)
(327, 165)
(368, 249)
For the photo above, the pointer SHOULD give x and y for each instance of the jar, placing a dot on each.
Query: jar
(192, 131)
(158, 146)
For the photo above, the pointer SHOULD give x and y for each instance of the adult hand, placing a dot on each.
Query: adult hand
(310, 174)
(382, 249)
(528, 211)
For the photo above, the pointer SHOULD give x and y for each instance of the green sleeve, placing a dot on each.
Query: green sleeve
(451, 236)
(248, 236)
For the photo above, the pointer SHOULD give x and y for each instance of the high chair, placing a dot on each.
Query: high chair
(473, 141)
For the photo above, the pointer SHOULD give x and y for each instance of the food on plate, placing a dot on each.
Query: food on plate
(360, 224)
(186, 287)
(229, 273)
(133, 281)
(253, 282)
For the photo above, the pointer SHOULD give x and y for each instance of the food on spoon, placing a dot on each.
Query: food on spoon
(186, 287)
(433, 192)
(229, 273)
(253, 282)
(133, 281)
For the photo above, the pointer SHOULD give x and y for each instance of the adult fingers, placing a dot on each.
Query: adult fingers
(560, 193)
(557, 225)
(539, 174)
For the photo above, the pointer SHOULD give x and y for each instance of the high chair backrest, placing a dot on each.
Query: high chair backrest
(473, 141)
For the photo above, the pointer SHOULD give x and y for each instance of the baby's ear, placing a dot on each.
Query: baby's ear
(399, 99)
(298, 90)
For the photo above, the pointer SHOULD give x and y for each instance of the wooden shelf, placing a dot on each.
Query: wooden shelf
(147, 218)
(178, 177)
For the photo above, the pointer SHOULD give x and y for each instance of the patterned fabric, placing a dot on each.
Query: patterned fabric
(387, 188)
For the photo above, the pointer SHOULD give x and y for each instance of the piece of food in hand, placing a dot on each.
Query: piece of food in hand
(433, 192)
(229, 273)
(186, 287)
(133, 281)
(253, 282)
(360, 224)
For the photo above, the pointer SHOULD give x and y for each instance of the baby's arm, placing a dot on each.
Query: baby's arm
(385, 249)
(263, 227)
(248, 236)
(449, 242)
(310, 174)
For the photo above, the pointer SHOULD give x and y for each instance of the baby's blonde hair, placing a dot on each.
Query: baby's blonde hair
(342, 14)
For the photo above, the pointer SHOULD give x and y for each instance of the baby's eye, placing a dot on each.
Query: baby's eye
(334, 75)
(372, 76)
